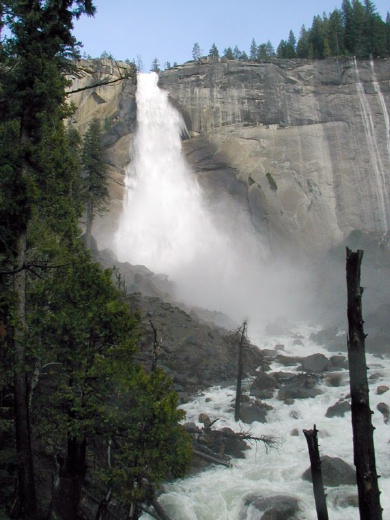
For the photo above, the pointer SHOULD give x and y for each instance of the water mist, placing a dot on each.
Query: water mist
(212, 254)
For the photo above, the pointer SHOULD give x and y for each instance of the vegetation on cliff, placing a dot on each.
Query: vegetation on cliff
(356, 29)
(69, 386)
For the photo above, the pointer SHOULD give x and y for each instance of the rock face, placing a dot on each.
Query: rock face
(301, 145)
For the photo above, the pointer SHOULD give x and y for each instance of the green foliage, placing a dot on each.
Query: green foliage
(272, 182)
(148, 445)
(228, 53)
(213, 52)
(356, 29)
(155, 65)
(94, 184)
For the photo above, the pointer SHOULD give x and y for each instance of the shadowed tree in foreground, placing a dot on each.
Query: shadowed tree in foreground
(363, 439)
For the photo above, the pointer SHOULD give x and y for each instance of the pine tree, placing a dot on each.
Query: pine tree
(228, 53)
(213, 52)
(253, 50)
(155, 66)
(95, 193)
(33, 91)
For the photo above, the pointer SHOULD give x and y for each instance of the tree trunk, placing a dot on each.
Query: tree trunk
(239, 373)
(27, 494)
(316, 474)
(363, 439)
(67, 498)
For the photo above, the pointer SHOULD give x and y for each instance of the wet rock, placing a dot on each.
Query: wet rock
(263, 386)
(333, 379)
(277, 507)
(294, 432)
(300, 386)
(384, 409)
(315, 363)
(254, 411)
(382, 389)
(287, 361)
(335, 472)
(339, 409)
(330, 339)
(339, 361)
(204, 419)
(298, 342)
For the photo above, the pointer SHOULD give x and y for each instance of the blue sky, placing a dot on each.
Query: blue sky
(168, 29)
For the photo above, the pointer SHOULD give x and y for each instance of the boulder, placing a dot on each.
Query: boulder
(315, 363)
(276, 507)
(383, 408)
(301, 386)
(263, 386)
(335, 472)
(382, 389)
(254, 411)
(339, 409)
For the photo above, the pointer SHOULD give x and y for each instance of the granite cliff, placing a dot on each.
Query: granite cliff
(303, 147)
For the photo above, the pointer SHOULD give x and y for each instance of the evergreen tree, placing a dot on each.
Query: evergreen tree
(291, 45)
(253, 51)
(155, 66)
(213, 52)
(269, 49)
(94, 176)
(237, 54)
(336, 33)
(228, 53)
(33, 91)
(303, 43)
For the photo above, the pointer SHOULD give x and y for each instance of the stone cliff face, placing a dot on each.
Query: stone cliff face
(302, 146)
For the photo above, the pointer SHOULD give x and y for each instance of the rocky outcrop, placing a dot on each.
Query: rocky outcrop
(301, 145)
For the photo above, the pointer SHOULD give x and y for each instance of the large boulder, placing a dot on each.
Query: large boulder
(315, 363)
(335, 472)
(339, 409)
(300, 386)
(254, 411)
(263, 386)
(276, 507)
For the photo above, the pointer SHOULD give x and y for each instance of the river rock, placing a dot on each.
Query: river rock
(263, 386)
(382, 389)
(384, 409)
(335, 472)
(339, 409)
(315, 363)
(276, 507)
(300, 386)
(254, 411)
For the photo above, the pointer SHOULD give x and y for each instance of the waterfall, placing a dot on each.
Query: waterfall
(210, 253)
(381, 190)
(385, 112)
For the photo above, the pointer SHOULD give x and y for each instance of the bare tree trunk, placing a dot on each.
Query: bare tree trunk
(27, 493)
(316, 474)
(239, 373)
(363, 439)
(67, 497)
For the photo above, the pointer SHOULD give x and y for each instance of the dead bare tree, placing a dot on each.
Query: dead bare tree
(242, 332)
(363, 439)
(316, 473)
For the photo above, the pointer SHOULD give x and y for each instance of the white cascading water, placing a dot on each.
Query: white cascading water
(166, 226)
(385, 112)
(212, 255)
(379, 175)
